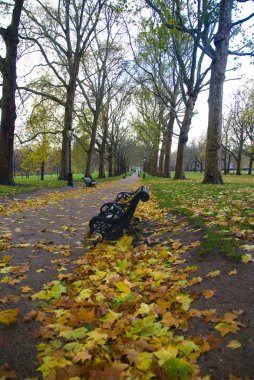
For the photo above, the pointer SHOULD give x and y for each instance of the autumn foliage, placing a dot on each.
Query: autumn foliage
(123, 313)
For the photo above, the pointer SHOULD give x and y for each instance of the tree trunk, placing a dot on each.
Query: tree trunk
(103, 147)
(42, 171)
(8, 105)
(68, 116)
(110, 163)
(115, 160)
(183, 138)
(168, 144)
(91, 146)
(162, 156)
(153, 164)
(215, 101)
(63, 170)
(250, 165)
(225, 165)
(238, 163)
(118, 166)
(239, 155)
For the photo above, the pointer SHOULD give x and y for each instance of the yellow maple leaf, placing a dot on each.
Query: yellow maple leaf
(124, 243)
(81, 356)
(166, 353)
(25, 289)
(8, 316)
(144, 309)
(232, 272)
(208, 293)
(226, 328)
(4, 261)
(248, 247)
(123, 287)
(145, 360)
(97, 335)
(234, 344)
(49, 363)
(83, 295)
(195, 280)
(214, 273)
(231, 316)
(246, 258)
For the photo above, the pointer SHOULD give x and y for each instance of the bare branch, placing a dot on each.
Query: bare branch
(37, 134)
(46, 95)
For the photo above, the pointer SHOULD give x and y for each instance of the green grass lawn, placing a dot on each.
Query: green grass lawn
(33, 183)
(225, 211)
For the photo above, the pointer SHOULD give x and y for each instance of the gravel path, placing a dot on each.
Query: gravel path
(40, 241)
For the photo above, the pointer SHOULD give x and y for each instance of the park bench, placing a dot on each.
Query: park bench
(89, 182)
(114, 217)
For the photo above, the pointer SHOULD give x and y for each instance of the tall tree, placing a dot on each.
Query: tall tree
(8, 70)
(63, 32)
(209, 13)
(239, 124)
(117, 129)
(159, 73)
(150, 125)
(101, 69)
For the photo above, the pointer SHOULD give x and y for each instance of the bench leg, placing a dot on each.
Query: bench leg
(108, 230)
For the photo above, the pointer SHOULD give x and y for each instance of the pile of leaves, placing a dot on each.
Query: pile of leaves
(123, 314)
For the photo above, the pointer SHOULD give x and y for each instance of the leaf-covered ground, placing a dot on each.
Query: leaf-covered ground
(143, 307)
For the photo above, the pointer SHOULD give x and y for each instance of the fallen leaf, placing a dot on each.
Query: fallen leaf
(81, 356)
(8, 316)
(214, 273)
(208, 293)
(30, 316)
(25, 289)
(232, 272)
(234, 344)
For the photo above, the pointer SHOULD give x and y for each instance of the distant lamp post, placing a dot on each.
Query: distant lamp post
(69, 174)
(144, 169)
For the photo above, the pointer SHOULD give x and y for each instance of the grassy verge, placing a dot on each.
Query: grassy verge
(33, 184)
(225, 212)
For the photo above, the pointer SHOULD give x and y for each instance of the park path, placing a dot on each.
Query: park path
(39, 239)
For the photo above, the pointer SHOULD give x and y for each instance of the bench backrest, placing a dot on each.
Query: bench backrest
(140, 194)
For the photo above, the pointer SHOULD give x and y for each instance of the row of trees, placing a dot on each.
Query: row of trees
(238, 131)
(81, 77)
(182, 49)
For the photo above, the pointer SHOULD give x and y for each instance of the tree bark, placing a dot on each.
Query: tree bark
(110, 162)
(162, 156)
(42, 170)
(239, 154)
(68, 116)
(8, 105)
(91, 146)
(153, 167)
(183, 138)
(168, 144)
(103, 147)
(114, 147)
(218, 69)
